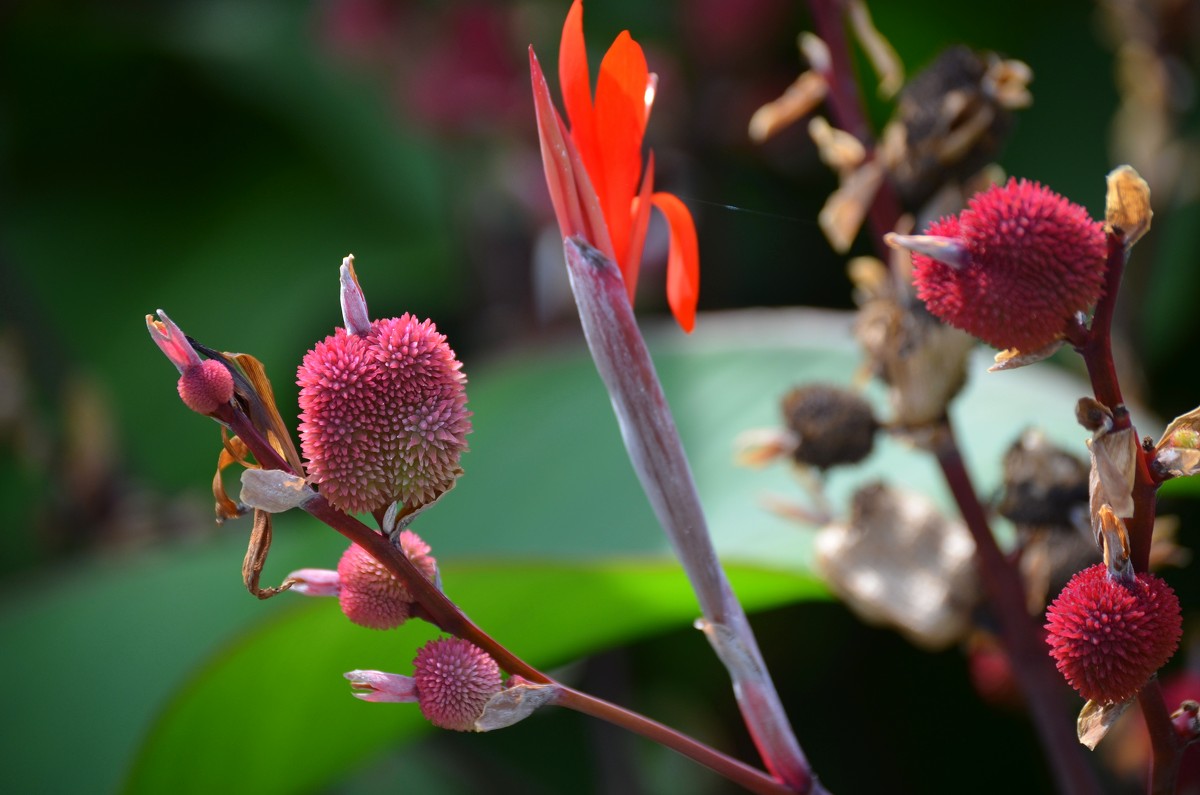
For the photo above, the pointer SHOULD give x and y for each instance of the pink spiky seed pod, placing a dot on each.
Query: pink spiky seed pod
(454, 681)
(1109, 635)
(417, 551)
(370, 595)
(383, 415)
(1013, 267)
(206, 386)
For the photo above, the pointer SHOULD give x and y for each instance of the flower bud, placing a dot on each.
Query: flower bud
(206, 386)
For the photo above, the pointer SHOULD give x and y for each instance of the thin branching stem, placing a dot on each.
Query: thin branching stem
(1002, 582)
(1031, 663)
(436, 607)
(752, 779)
(1094, 344)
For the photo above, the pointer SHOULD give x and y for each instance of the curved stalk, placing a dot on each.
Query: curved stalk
(1094, 344)
(752, 779)
(656, 452)
(442, 612)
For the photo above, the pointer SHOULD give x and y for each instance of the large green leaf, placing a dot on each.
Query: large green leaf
(547, 542)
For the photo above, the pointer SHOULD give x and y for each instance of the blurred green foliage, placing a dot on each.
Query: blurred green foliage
(218, 158)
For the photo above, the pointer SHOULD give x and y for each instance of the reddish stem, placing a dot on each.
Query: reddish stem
(1166, 746)
(436, 606)
(1094, 344)
(442, 612)
(1031, 662)
(1002, 583)
(752, 779)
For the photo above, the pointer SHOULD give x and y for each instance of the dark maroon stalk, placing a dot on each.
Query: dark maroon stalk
(1094, 344)
(752, 779)
(1031, 662)
(1002, 583)
(1166, 747)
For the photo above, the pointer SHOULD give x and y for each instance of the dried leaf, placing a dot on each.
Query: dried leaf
(879, 50)
(923, 361)
(837, 149)
(274, 490)
(1114, 462)
(1008, 82)
(1184, 430)
(815, 51)
(1115, 541)
(233, 451)
(899, 562)
(263, 412)
(758, 447)
(801, 98)
(1012, 358)
(1177, 453)
(256, 558)
(844, 210)
(1127, 204)
(1096, 719)
(515, 703)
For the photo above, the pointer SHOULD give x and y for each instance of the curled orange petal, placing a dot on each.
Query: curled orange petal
(576, 88)
(683, 260)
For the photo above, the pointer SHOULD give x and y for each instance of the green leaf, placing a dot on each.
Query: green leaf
(277, 713)
(547, 543)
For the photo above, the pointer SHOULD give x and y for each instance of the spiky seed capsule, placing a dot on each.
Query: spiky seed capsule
(370, 595)
(383, 416)
(1034, 259)
(454, 680)
(417, 551)
(1108, 636)
(206, 386)
(832, 426)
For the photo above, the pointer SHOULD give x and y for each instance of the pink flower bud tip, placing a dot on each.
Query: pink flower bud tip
(1110, 635)
(383, 415)
(204, 384)
(454, 680)
(1018, 263)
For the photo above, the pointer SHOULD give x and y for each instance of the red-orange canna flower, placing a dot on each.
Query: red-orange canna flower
(594, 169)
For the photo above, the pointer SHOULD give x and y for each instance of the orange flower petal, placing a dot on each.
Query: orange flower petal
(641, 222)
(576, 87)
(620, 114)
(683, 260)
